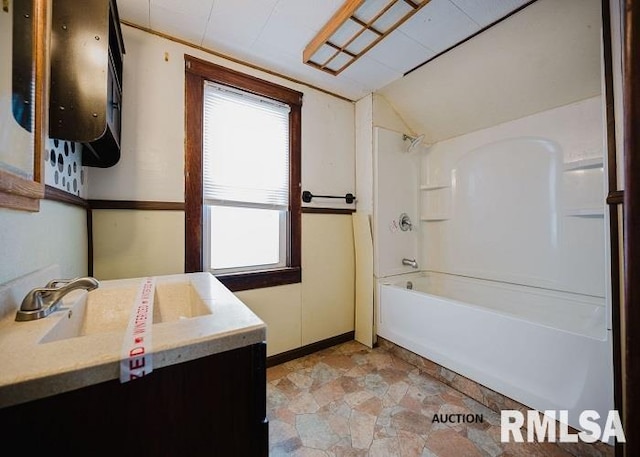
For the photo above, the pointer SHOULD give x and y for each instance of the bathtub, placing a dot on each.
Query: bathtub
(548, 350)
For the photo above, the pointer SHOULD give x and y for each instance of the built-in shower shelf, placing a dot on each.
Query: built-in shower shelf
(585, 212)
(435, 218)
(584, 164)
(434, 186)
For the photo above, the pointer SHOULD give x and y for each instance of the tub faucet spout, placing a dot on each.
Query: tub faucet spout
(42, 301)
(410, 262)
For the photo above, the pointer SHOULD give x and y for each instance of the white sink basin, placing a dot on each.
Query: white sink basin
(108, 308)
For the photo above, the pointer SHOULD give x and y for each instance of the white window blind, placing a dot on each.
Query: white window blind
(246, 149)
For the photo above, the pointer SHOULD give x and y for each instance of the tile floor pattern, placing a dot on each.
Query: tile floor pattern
(353, 401)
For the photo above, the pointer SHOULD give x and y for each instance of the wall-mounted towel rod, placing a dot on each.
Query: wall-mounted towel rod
(307, 196)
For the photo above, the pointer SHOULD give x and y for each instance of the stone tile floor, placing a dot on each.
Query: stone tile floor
(353, 401)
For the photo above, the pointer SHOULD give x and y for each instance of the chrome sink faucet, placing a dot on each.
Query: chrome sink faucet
(42, 301)
(410, 262)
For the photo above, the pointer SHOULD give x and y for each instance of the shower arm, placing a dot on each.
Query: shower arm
(415, 140)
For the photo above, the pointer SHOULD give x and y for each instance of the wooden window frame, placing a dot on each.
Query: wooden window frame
(198, 71)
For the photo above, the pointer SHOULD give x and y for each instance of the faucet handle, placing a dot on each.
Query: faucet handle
(41, 301)
(55, 283)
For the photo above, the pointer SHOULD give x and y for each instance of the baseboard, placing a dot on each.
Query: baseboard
(309, 349)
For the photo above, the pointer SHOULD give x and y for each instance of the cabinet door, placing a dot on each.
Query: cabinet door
(79, 70)
(213, 406)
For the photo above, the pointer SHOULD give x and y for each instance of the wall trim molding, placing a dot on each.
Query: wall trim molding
(62, 196)
(54, 194)
(296, 353)
(137, 205)
(58, 195)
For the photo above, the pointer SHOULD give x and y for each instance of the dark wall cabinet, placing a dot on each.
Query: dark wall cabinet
(86, 78)
(213, 406)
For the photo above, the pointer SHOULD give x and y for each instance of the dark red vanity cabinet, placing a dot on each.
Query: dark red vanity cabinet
(213, 406)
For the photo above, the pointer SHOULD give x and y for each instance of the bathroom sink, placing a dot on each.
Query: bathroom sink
(108, 308)
(80, 344)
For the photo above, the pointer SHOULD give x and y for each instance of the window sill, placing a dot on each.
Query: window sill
(258, 279)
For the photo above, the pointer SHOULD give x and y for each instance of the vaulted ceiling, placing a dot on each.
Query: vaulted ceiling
(546, 56)
(273, 33)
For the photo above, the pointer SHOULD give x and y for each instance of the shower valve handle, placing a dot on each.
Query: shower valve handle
(404, 221)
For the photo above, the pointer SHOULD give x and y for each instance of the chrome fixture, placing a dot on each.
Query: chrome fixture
(410, 263)
(415, 141)
(42, 301)
(409, 285)
(404, 221)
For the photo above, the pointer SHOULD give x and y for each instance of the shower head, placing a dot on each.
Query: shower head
(415, 141)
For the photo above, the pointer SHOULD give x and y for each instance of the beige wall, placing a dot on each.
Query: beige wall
(298, 314)
(321, 306)
(128, 244)
(136, 243)
(56, 235)
(385, 115)
(281, 309)
(328, 274)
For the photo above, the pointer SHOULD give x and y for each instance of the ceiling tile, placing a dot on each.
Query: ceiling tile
(439, 25)
(371, 73)
(181, 25)
(134, 11)
(309, 13)
(400, 52)
(488, 11)
(231, 49)
(280, 33)
(195, 8)
(237, 23)
(273, 33)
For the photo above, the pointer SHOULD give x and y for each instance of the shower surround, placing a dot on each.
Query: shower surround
(510, 235)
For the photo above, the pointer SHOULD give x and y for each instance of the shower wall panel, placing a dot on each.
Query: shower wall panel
(396, 181)
(522, 202)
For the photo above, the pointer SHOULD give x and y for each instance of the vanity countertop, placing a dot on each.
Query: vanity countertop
(35, 365)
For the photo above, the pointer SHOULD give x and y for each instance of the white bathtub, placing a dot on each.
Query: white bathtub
(546, 349)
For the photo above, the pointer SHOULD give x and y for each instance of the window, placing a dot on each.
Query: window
(242, 177)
